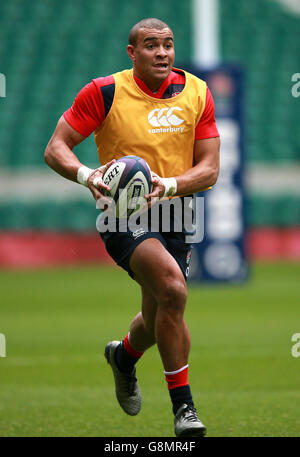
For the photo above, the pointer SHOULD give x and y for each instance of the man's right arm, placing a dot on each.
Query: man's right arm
(59, 151)
(60, 157)
(77, 123)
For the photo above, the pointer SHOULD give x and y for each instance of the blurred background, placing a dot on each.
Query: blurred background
(50, 49)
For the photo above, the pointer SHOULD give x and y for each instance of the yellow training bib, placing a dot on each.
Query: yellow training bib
(161, 131)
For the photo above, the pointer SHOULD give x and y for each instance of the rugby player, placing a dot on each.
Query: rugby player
(166, 116)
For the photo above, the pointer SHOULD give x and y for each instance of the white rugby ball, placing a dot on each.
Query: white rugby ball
(129, 179)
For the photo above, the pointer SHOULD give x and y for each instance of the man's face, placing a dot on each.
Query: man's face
(153, 56)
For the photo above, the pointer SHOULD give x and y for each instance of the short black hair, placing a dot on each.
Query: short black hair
(148, 23)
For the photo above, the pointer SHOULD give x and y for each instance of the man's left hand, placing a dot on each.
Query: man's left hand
(158, 189)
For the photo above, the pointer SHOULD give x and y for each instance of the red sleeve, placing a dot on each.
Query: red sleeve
(207, 127)
(87, 111)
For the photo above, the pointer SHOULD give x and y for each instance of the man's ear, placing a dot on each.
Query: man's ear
(130, 52)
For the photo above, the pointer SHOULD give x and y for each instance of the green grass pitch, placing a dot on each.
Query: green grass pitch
(55, 381)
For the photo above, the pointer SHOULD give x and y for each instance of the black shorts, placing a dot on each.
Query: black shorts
(120, 244)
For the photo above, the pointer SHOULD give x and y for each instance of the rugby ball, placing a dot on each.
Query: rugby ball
(129, 179)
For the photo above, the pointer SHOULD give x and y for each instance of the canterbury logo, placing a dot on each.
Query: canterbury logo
(164, 117)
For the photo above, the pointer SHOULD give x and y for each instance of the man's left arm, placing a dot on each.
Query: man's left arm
(202, 175)
(205, 172)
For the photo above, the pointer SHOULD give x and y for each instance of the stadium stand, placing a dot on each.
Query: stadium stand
(263, 38)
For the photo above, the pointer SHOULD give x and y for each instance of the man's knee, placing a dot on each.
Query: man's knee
(172, 294)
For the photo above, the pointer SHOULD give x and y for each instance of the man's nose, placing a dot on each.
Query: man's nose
(161, 51)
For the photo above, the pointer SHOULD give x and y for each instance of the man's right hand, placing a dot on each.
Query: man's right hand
(95, 182)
